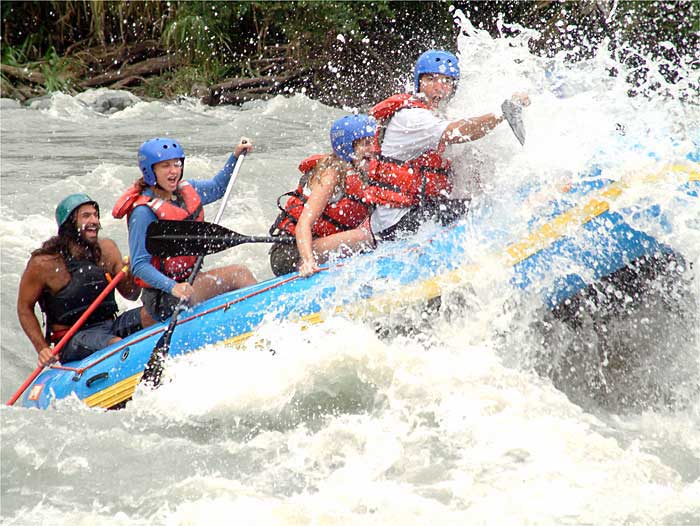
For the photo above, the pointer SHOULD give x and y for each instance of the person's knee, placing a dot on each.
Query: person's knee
(362, 236)
(245, 277)
(146, 319)
(283, 259)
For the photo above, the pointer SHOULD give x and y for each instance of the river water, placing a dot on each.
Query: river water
(457, 424)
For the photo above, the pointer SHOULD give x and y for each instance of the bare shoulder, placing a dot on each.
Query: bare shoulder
(45, 263)
(44, 270)
(329, 171)
(107, 244)
(111, 255)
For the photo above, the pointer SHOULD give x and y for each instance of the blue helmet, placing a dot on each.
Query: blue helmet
(435, 61)
(155, 150)
(346, 130)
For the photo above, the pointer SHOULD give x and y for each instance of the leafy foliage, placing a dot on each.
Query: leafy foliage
(337, 42)
(56, 72)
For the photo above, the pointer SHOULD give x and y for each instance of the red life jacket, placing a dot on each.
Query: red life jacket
(346, 213)
(404, 183)
(178, 268)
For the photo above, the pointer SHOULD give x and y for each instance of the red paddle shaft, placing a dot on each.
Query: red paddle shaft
(76, 326)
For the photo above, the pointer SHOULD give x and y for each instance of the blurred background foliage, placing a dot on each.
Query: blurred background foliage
(339, 52)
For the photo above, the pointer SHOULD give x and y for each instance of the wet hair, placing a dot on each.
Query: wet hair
(141, 184)
(334, 162)
(68, 235)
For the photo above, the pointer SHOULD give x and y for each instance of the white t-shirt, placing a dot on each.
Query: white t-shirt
(410, 133)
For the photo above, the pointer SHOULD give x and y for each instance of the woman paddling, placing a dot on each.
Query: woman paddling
(161, 193)
(326, 211)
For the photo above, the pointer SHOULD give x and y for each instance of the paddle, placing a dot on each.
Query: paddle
(153, 371)
(71, 332)
(182, 238)
(513, 113)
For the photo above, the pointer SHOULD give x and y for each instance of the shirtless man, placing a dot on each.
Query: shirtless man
(65, 276)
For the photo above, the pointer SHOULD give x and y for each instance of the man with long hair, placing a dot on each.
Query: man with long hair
(65, 275)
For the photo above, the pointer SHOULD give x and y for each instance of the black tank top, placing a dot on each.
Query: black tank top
(86, 283)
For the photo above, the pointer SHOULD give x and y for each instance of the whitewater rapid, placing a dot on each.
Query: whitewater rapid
(460, 422)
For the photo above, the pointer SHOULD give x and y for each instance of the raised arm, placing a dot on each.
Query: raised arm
(465, 130)
(213, 189)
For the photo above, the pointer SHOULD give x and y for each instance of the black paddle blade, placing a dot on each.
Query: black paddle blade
(153, 373)
(198, 238)
(189, 238)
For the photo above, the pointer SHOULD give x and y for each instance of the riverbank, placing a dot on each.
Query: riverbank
(221, 53)
(149, 71)
(339, 53)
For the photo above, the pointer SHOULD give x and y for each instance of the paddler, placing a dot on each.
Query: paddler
(327, 210)
(161, 193)
(64, 276)
(410, 180)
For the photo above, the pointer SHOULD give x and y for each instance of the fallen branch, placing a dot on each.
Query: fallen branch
(235, 91)
(23, 74)
(128, 81)
(101, 60)
(238, 84)
(152, 66)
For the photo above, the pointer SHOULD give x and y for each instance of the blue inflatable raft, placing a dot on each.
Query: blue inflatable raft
(573, 238)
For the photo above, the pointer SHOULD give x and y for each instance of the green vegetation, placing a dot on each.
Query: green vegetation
(243, 50)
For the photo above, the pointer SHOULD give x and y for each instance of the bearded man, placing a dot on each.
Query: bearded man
(65, 276)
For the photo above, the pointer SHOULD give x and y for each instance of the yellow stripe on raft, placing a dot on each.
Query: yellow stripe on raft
(114, 394)
(434, 287)
(580, 215)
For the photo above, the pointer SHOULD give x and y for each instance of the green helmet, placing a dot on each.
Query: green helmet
(66, 207)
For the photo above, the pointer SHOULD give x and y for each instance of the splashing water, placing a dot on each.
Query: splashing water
(477, 417)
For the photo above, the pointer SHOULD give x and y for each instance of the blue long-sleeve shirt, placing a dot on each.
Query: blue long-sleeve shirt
(142, 216)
